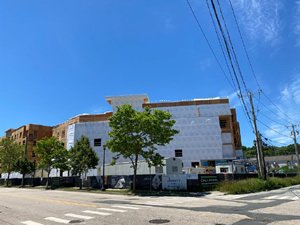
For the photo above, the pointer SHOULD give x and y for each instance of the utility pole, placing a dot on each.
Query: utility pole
(259, 153)
(295, 133)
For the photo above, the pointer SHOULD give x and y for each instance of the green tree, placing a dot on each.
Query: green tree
(51, 154)
(137, 134)
(24, 166)
(82, 158)
(10, 153)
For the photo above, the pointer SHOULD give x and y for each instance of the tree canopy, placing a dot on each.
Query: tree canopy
(24, 166)
(10, 153)
(51, 154)
(82, 157)
(250, 152)
(137, 134)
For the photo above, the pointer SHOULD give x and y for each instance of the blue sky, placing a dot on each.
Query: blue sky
(61, 58)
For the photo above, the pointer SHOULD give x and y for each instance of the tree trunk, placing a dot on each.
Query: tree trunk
(22, 183)
(8, 174)
(81, 181)
(47, 184)
(134, 173)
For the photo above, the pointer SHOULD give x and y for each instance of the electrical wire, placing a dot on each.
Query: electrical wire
(244, 46)
(231, 45)
(280, 110)
(272, 128)
(208, 43)
(276, 122)
(220, 43)
(231, 62)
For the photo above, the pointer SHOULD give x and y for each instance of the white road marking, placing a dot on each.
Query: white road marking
(257, 201)
(29, 222)
(97, 213)
(159, 203)
(79, 216)
(124, 207)
(113, 210)
(272, 197)
(57, 220)
(282, 197)
(285, 197)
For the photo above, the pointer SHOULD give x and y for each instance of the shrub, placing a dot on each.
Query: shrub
(256, 185)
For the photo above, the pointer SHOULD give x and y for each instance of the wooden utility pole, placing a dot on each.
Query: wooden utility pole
(294, 133)
(259, 153)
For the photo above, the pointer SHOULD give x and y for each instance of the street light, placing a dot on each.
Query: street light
(103, 169)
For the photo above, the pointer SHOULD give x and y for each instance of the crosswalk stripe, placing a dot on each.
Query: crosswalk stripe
(29, 222)
(285, 197)
(124, 207)
(159, 203)
(97, 213)
(113, 210)
(272, 197)
(79, 216)
(57, 220)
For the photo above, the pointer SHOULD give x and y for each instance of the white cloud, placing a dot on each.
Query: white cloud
(287, 110)
(260, 19)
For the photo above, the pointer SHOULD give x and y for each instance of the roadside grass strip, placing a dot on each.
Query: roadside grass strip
(57, 220)
(29, 222)
(79, 216)
(113, 210)
(97, 213)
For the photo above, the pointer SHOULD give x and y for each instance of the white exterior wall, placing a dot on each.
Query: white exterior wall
(200, 136)
(126, 169)
(136, 101)
(91, 130)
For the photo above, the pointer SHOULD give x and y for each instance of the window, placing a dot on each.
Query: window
(63, 133)
(35, 134)
(30, 137)
(223, 123)
(34, 143)
(178, 153)
(33, 154)
(223, 170)
(97, 142)
(195, 164)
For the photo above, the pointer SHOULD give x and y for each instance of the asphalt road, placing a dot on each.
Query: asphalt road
(40, 207)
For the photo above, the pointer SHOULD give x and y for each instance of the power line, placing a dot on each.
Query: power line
(230, 42)
(220, 43)
(230, 60)
(250, 63)
(244, 46)
(280, 110)
(272, 129)
(276, 122)
(272, 111)
(207, 41)
(270, 140)
(218, 62)
(226, 61)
